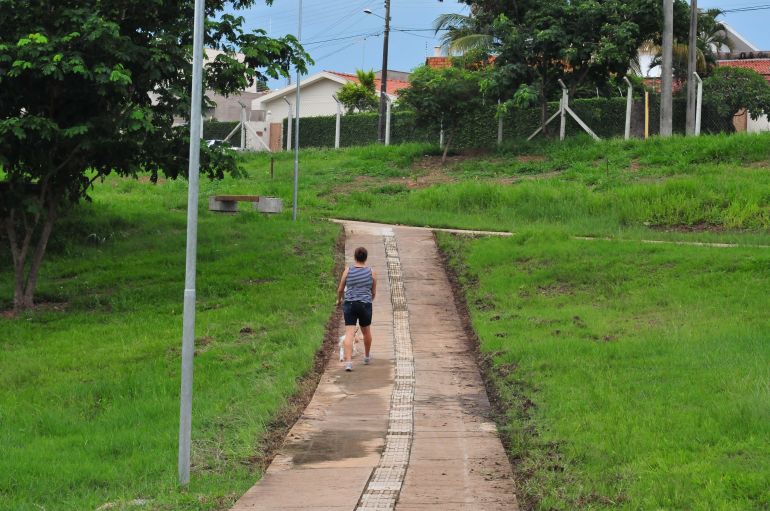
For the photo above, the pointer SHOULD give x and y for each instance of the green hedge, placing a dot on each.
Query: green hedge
(360, 129)
(605, 116)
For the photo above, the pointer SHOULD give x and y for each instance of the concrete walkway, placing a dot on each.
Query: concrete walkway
(411, 431)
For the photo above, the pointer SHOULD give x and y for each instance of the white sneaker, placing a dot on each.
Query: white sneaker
(348, 366)
(367, 360)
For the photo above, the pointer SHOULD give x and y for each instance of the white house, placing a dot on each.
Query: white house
(316, 95)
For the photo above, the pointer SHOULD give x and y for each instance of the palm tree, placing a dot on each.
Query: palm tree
(463, 33)
(712, 37)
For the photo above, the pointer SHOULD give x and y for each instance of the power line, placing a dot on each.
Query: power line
(317, 59)
(750, 8)
(353, 36)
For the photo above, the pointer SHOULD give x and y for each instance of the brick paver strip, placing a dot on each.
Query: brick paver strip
(385, 484)
(412, 431)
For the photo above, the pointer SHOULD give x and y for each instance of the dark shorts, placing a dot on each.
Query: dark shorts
(357, 311)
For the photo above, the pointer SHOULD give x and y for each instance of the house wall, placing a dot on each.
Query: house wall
(315, 99)
(228, 109)
(645, 62)
(761, 124)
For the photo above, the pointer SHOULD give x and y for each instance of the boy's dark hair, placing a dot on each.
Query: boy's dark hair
(361, 254)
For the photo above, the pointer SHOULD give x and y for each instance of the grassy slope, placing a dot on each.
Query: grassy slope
(89, 397)
(614, 188)
(635, 376)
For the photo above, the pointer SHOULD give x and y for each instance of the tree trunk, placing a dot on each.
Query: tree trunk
(37, 257)
(25, 281)
(446, 147)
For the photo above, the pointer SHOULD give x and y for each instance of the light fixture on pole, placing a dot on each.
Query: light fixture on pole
(188, 322)
(384, 72)
(296, 130)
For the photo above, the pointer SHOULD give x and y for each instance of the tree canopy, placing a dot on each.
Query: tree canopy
(443, 97)
(361, 96)
(731, 89)
(583, 42)
(90, 88)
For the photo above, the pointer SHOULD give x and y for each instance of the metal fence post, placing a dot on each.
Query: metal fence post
(564, 104)
(629, 106)
(243, 127)
(290, 120)
(268, 129)
(499, 125)
(337, 124)
(387, 119)
(646, 115)
(698, 104)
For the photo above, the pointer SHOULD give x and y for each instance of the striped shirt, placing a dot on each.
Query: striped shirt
(358, 286)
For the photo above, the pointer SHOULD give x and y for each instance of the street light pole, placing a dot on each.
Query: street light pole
(384, 76)
(188, 322)
(296, 130)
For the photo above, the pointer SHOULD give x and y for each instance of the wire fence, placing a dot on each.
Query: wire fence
(485, 128)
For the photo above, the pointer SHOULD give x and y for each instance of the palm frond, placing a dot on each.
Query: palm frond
(470, 42)
(451, 21)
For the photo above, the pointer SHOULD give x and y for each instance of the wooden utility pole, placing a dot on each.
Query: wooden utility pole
(692, 67)
(666, 82)
(384, 76)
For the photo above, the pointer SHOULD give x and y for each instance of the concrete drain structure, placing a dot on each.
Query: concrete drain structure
(384, 485)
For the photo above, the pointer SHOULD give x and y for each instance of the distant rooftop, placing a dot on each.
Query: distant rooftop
(392, 87)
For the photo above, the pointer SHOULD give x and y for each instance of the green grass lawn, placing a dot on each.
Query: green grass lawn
(634, 376)
(89, 383)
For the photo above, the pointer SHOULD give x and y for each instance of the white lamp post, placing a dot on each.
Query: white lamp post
(188, 322)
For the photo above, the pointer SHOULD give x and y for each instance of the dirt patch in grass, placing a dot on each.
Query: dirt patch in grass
(288, 415)
(41, 306)
(147, 179)
(530, 158)
(357, 184)
(429, 164)
(435, 177)
(529, 177)
(699, 227)
(555, 289)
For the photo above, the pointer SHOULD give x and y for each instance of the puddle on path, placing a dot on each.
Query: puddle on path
(333, 445)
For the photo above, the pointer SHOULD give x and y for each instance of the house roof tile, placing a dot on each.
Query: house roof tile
(438, 62)
(392, 88)
(761, 66)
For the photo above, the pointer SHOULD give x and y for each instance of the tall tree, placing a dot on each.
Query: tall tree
(579, 41)
(443, 98)
(92, 87)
